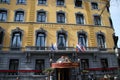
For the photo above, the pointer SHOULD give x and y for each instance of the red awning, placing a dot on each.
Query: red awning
(65, 65)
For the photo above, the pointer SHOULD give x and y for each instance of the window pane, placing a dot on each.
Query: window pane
(41, 17)
(97, 20)
(60, 17)
(60, 2)
(13, 65)
(61, 40)
(79, 19)
(78, 3)
(40, 40)
(101, 41)
(39, 66)
(41, 1)
(16, 40)
(21, 1)
(19, 16)
(84, 63)
(94, 5)
(3, 15)
(82, 39)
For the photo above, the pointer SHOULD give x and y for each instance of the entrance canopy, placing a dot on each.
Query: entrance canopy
(65, 62)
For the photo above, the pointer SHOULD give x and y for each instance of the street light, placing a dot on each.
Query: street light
(117, 55)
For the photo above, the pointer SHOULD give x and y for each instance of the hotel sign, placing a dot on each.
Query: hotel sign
(65, 65)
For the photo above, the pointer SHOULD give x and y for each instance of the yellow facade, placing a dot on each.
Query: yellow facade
(29, 26)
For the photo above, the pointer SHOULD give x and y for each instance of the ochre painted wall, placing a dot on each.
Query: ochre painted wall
(29, 26)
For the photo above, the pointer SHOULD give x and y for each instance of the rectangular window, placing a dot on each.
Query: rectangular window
(104, 64)
(97, 20)
(1, 37)
(4, 1)
(60, 2)
(13, 65)
(42, 2)
(94, 5)
(39, 66)
(41, 17)
(78, 3)
(82, 39)
(40, 41)
(19, 16)
(3, 15)
(84, 63)
(79, 18)
(21, 1)
(101, 41)
(61, 41)
(60, 18)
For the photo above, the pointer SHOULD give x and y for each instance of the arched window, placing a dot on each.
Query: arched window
(19, 16)
(82, 38)
(61, 39)
(101, 40)
(40, 38)
(16, 41)
(3, 15)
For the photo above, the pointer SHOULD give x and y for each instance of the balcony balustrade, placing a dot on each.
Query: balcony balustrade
(47, 48)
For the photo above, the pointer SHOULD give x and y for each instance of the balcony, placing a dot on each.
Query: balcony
(59, 49)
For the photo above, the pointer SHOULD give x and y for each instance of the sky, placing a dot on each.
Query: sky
(115, 15)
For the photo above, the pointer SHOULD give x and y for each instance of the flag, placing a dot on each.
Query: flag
(80, 48)
(53, 47)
